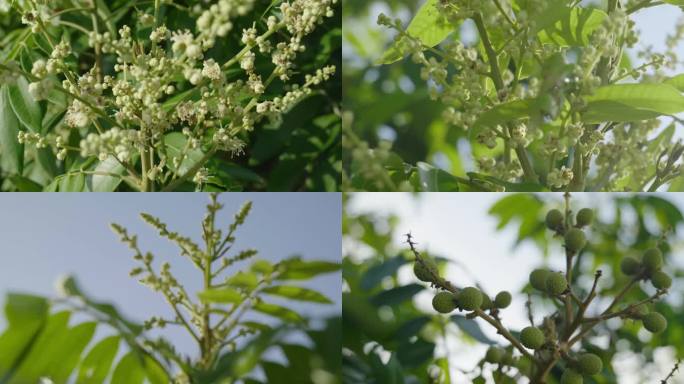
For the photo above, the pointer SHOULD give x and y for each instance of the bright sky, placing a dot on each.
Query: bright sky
(457, 226)
(47, 235)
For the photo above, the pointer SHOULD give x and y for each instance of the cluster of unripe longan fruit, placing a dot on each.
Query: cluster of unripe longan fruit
(552, 283)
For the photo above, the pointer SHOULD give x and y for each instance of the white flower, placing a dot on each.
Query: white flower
(247, 62)
(211, 70)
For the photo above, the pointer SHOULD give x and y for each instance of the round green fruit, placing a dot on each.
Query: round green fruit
(470, 298)
(652, 260)
(661, 280)
(426, 270)
(640, 310)
(584, 217)
(630, 266)
(538, 279)
(556, 283)
(532, 337)
(589, 364)
(654, 322)
(502, 299)
(443, 302)
(575, 239)
(494, 355)
(486, 302)
(571, 377)
(508, 359)
(554, 219)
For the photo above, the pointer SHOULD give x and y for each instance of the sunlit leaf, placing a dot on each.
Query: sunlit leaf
(632, 102)
(297, 293)
(428, 25)
(220, 295)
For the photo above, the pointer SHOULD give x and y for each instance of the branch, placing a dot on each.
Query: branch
(671, 374)
(446, 285)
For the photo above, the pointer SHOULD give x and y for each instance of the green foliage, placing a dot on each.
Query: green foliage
(64, 86)
(548, 96)
(396, 329)
(41, 342)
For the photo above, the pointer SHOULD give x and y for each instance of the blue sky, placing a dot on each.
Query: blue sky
(45, 236)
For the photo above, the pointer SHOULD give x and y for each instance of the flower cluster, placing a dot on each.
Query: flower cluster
(169, 81)
(519, 65)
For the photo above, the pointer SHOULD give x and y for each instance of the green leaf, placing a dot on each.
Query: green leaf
(36, 362)
(574, 28)
(154, 371)
(632, 102)
(506, 112)
(375, 274)
(428, 25)
(471, 328)
(278, 311)
(97, 363)
(220, 295)
(70, 286)
(297, 293)
(262, 266)
(175, 143)
(25, 184)
(11, 152)
(47, 161)
(71, 346)
(297, 269)
(436, 180)
(255, 325)
(675, 2)
(676, 81)
(129, 370)
(25, 315)
(25, 107)
(105, 183)
(72, 182)
(243, 279)
(415, 354)
(396, 295)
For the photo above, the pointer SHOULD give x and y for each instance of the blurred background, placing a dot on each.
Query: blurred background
(389, 103)
(47, 236)
(494, 241)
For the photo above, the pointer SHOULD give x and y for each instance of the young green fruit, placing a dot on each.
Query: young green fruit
(589, 364)
(571, 377)
(654, 322)
(425, 272)
(639, 311)
(630, 266)
(532, 337)
(494, 355)
(661, 280)
(508, 359)
(486, 302)
(538, 279)
(584, 217)
(652, 260)
(470, 298)
(554, 219)
(502, 299)
(575, 239)
(556, 283)
(443, 302)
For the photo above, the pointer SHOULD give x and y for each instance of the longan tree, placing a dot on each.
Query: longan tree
(555, 340)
